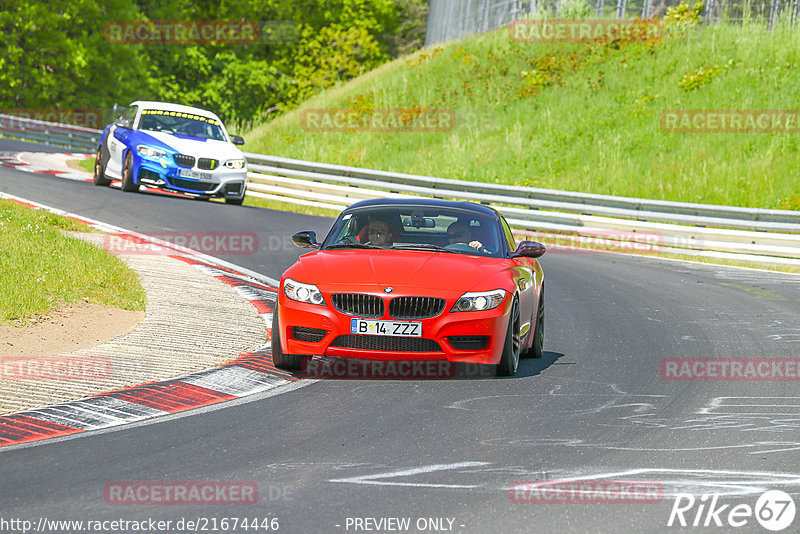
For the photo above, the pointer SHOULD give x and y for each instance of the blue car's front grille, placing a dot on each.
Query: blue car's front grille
(207, 164)
(183, 160)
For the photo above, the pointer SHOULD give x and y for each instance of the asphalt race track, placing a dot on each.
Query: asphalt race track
(345, 456)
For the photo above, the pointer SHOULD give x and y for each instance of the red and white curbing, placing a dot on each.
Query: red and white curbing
(15, 161)
(46, 161)
(248, 374)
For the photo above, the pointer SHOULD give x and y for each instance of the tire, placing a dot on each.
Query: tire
(537, 348)
(281, 360)
(127, 176)
(100, 169)
(235, 201)
(509, 361)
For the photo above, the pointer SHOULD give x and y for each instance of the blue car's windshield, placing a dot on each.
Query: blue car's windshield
(173, 122)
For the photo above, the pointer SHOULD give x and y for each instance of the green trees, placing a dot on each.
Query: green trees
(59, 54)
(54, 54)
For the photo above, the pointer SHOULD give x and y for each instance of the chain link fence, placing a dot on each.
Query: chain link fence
(456, 19)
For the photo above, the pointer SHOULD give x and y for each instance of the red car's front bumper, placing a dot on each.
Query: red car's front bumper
(467, 337)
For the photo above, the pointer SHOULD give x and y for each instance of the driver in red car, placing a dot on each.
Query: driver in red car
(379, 233)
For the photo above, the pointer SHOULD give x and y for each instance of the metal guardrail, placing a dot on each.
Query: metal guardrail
(75, 138)
(697, 229)
(759, 235)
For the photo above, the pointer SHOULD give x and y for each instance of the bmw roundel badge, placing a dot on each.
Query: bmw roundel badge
(388, 290)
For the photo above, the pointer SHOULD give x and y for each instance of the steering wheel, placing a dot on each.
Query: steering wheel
(346, 240)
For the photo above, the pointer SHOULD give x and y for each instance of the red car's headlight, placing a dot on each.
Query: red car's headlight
(302, 292)
(479, 301)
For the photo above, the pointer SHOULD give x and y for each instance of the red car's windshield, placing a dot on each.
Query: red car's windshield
(417, 228)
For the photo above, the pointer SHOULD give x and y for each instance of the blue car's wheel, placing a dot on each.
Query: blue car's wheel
(127, 176)
(100, 169)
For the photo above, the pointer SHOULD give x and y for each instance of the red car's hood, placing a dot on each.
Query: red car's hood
(401, 269)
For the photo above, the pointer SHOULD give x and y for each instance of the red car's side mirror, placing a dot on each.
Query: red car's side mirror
(529, 249)
(307, 239)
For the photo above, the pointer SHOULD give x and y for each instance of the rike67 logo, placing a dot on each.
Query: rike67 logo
(774, 510)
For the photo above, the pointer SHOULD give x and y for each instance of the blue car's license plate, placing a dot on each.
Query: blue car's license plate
(194, 175)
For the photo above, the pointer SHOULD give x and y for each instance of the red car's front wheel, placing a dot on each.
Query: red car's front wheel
(509, 361)
(281, 360)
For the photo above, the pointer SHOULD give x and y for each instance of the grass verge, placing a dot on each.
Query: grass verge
(288, 206)
(43, 268)
(575, 116)
(86, 165)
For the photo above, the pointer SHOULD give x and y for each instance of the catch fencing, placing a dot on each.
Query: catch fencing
(457, 19)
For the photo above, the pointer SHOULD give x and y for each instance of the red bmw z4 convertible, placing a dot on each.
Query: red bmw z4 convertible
(413, 280)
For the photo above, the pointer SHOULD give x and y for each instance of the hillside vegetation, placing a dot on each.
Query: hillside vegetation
(575, 116)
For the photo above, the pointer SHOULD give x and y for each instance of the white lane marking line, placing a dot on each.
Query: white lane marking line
(674, 481)
(732, 406)
(374, 479)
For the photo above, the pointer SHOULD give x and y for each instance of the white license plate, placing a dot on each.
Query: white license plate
(194, 175)
(386, 328)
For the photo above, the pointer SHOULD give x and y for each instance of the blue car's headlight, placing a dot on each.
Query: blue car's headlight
(479, 301)
(235, 164)
(303, 292)
(151, 152)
